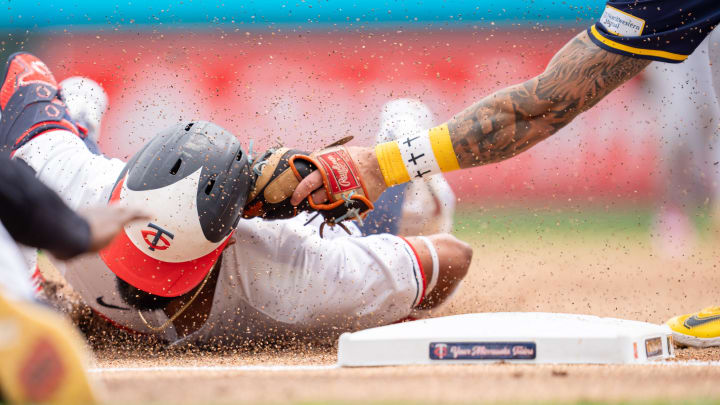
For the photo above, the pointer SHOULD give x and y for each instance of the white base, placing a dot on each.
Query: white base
(522, 337)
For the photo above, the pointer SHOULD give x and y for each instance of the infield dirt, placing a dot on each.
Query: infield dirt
(617, 272)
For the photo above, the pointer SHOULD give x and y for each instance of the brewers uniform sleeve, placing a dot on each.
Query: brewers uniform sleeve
(662, 30)
(292, 275)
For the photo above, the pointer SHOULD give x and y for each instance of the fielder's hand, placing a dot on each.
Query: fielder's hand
(313, 186)
(107, 221)
(343, 192)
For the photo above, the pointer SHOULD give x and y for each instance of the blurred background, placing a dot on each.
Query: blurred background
(308, 72)
(627, 184)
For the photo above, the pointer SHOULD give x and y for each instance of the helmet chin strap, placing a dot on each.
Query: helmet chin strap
(178, 313)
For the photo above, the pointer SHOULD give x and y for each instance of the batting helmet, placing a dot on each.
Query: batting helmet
(195, 179)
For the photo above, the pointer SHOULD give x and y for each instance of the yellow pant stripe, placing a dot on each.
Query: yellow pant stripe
(637, 51)
(391, 163)
(442, 148)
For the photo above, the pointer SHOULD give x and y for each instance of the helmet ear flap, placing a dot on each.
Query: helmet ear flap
(225, 190)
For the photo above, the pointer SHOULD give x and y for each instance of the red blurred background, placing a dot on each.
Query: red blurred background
(307, 89)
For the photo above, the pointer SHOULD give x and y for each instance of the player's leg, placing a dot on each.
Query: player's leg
(42, 358)
(422, 207)
(702, 328)
(37, 127)
(429, 207)
(398, 117)
(87, 102)
(685, 108)
(713, 44)
(445, 260)
(714, 55)
(30, 102)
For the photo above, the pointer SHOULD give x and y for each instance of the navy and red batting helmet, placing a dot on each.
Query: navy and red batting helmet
(194, 178)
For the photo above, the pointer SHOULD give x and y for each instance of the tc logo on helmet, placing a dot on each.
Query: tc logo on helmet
(155, 239)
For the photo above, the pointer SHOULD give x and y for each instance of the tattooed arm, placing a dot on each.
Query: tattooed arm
(514, 119)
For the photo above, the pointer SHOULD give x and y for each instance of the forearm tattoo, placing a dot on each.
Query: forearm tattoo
(514, 119)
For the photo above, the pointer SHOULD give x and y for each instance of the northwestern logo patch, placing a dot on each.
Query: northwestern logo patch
(621, 23)
(483, 351)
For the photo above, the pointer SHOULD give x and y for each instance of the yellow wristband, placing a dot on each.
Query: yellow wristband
(419, 155)
(391, 163)
(443, 149)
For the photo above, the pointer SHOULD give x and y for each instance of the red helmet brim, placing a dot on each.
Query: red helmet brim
(165, 279)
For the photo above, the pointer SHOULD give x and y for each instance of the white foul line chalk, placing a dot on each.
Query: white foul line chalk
(211, 368)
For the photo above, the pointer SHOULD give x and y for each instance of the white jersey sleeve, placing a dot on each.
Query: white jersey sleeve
(287, 272)
(14, 276)
(63, 162)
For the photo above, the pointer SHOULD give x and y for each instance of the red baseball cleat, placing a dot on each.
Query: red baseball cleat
(30, 103)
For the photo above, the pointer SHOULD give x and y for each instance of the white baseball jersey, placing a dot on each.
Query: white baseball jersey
(280, 276)
(14, 274)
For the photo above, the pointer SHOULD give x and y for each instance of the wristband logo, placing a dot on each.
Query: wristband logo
(156, 233)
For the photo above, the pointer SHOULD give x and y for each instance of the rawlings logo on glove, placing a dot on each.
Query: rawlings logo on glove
(279, 172)
(339, 167)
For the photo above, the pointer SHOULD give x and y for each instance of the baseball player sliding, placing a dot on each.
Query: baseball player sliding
(196, 270)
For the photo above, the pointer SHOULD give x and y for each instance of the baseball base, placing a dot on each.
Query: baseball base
(518, 337)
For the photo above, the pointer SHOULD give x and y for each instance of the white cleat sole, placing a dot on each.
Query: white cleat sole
(692, 341)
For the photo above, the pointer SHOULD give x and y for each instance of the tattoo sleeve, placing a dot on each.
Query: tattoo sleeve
(514, 119)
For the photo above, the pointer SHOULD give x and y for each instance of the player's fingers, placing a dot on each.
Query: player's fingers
(137, 214)
(306, 187)
(319, 196)
(125, 214)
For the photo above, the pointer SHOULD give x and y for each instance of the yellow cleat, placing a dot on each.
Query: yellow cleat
(42, 358)
(701, 329)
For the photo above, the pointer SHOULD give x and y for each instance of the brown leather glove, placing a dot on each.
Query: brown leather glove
(280, 170)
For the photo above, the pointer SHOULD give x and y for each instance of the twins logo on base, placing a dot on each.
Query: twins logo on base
(483, 351)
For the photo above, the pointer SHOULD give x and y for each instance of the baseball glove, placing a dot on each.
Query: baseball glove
(280, 170)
